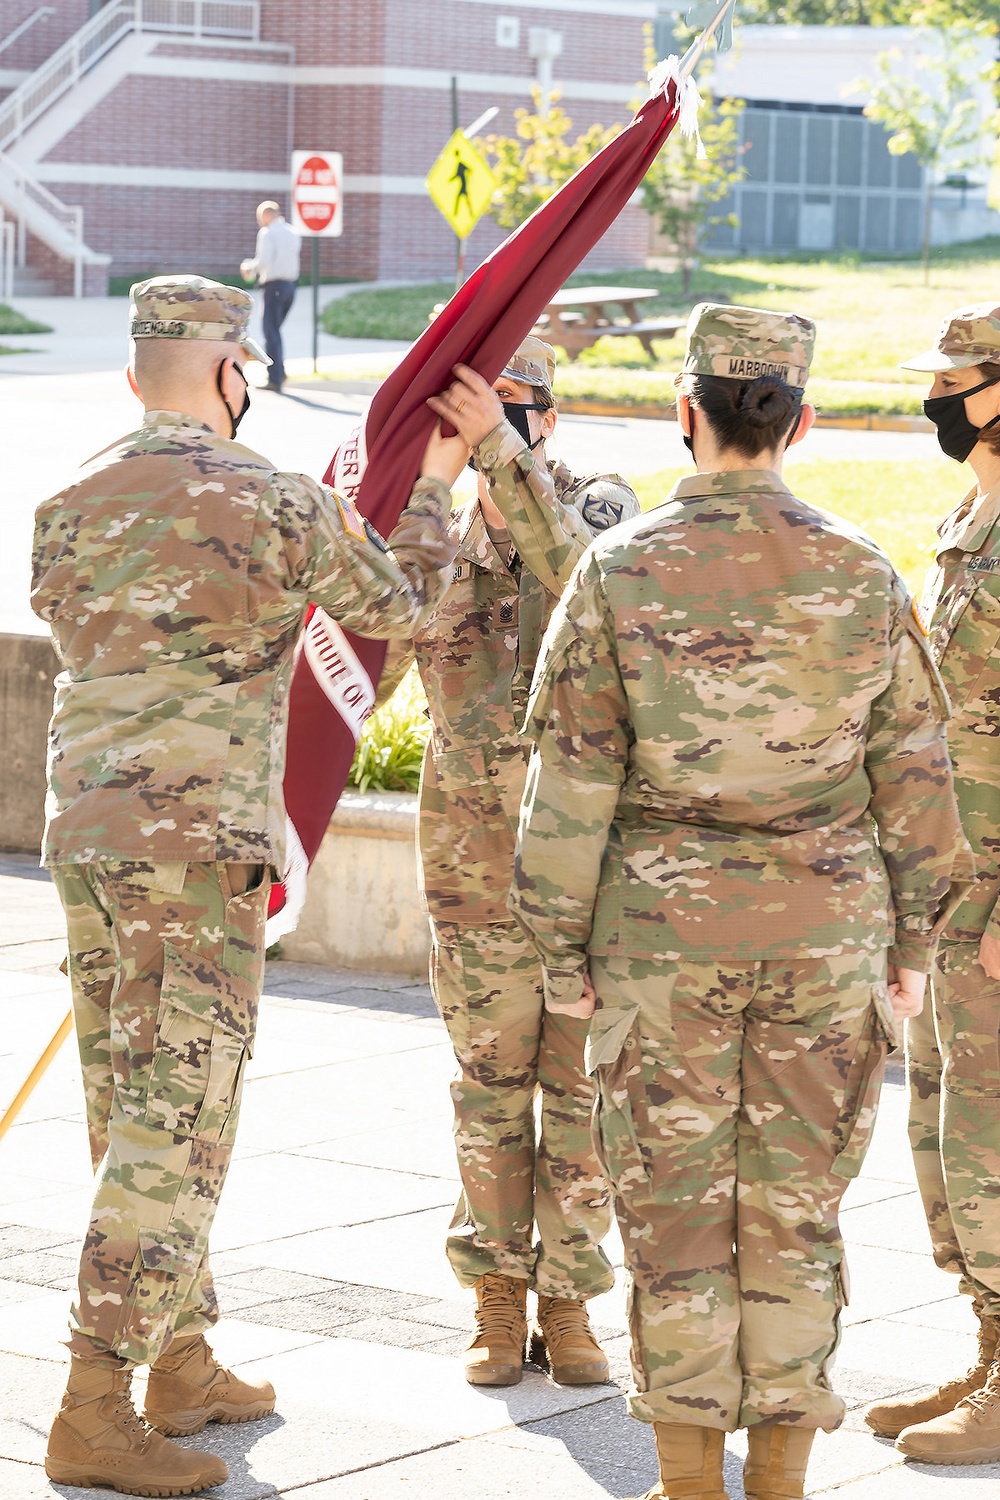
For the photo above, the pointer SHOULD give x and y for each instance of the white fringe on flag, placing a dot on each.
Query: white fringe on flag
(689, 100)
(293, 876)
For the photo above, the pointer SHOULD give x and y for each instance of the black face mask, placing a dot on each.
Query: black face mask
(955, 433)
(516, 413)
(235, 417)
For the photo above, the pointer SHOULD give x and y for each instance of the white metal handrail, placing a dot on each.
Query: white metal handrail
(235, 18)
(26, 25)
(67, 65)
(7, 236)
(64, 69)
(23, 189)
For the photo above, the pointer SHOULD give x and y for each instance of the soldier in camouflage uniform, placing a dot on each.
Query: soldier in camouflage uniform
(534, 1207)
(174, 573)
(954, 1065)
(731, 689)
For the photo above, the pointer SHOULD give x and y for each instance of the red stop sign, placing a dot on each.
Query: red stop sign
(316, 191)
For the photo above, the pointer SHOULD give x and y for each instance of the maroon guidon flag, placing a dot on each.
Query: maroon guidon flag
(336, 672)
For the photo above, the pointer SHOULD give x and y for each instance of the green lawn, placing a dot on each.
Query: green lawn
(898, 504)
(15, 322)
(869, 315)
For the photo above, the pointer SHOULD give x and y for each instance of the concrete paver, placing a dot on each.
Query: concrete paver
(333, 1281)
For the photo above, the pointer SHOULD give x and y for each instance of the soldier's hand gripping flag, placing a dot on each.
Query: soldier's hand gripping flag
(333, 688)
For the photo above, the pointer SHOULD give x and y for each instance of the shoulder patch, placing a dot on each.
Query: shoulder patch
(349, 517)
(601, 511)
(918, 617)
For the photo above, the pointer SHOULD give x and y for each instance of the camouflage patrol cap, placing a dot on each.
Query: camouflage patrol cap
(970, 336)
(533, 364)
(743, 343)
(191, 307)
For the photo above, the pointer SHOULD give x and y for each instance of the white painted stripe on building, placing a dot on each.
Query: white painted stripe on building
(101, 174)
(517, 85)
(647, 11)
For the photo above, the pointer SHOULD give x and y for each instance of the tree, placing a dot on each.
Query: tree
(980, 16)
(825, 12)
(531, 165)
(939, 124)
(681, 188)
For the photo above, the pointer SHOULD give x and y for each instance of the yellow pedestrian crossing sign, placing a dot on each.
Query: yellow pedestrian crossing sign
(461, 184)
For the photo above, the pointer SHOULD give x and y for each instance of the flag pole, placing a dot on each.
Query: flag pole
(35, 1076)
(692, 56)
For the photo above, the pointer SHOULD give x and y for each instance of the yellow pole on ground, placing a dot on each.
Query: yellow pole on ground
(35, 1076)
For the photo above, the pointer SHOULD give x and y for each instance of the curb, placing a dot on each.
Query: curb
(642, 411)
(867, 423)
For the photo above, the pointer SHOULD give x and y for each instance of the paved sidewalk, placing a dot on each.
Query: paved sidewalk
(333, 1283)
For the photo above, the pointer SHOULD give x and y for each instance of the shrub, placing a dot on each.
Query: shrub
(391, 748)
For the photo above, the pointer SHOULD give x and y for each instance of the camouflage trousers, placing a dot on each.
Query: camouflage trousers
(519, 1173)
(953, 1062)
(735, 1103)
(166, 965)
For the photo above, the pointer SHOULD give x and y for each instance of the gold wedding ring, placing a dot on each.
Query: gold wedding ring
(459, 406)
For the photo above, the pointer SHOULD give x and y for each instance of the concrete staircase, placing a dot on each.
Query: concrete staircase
(30, 283)
(24, 199)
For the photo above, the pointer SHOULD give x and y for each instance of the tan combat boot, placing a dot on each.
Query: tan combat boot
(97, 1439)
(776, 1461)
(889, 1418)
(563, 1339)
(188, 1388)
(690, 1462)
(968, 1435)
(496, 1354)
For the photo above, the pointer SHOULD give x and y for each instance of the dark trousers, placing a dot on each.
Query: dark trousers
(278, 299)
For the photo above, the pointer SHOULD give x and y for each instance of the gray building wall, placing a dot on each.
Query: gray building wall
(820, 178)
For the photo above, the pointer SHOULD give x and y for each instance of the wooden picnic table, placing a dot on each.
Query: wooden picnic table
(578, 316)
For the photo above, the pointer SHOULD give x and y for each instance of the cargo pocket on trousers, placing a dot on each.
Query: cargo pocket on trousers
(167, 1260)
(853, 1129)
(204, 1037)
(614, 1060)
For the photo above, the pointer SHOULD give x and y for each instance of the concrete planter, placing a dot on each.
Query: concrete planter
(362, 910)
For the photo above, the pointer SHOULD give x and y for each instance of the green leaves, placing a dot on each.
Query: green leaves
(539, 159)
(391, 748)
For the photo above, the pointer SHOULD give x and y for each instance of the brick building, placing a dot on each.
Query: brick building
(166, 121)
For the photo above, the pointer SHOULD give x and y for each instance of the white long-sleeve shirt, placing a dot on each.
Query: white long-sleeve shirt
(278, 252)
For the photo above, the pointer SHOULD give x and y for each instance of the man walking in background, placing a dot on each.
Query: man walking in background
(275, 267)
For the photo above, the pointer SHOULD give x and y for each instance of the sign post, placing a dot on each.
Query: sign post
(317, 211)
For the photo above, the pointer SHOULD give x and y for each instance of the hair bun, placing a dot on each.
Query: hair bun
(766, 402)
